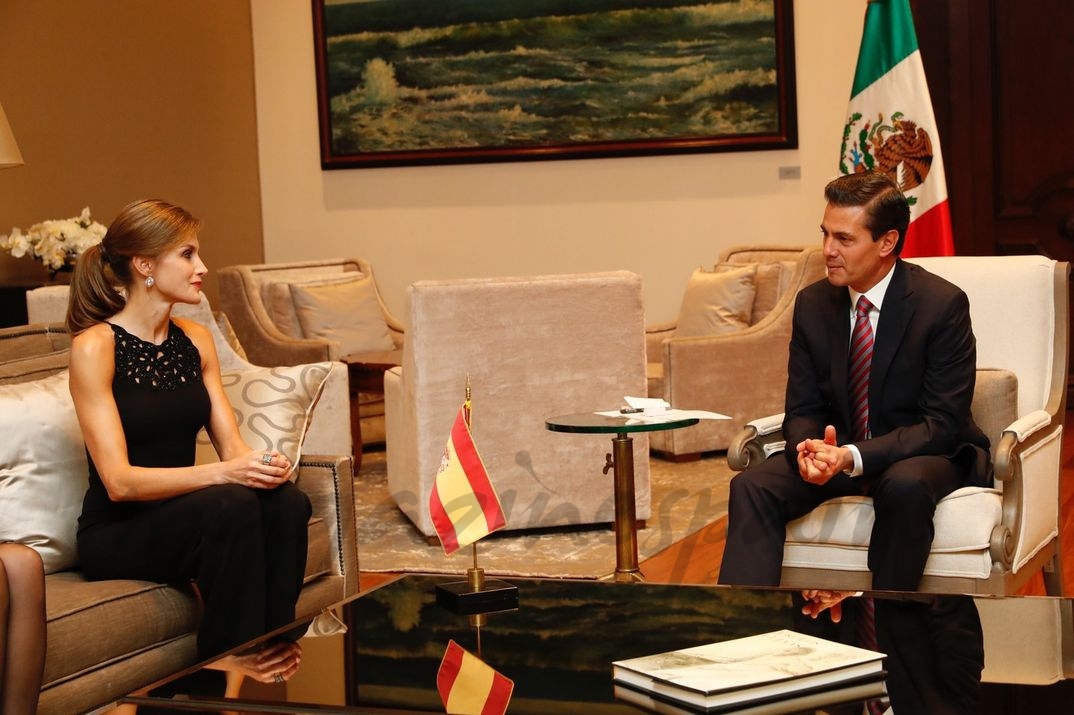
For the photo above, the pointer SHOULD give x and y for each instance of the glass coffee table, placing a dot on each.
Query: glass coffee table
(557, 646)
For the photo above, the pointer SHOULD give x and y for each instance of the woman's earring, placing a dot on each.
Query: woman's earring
(149, 281)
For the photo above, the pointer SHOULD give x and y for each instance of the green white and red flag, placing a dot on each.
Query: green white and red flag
(891, 127)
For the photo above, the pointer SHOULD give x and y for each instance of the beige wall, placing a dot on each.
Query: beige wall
(122, 99)
(658, 216)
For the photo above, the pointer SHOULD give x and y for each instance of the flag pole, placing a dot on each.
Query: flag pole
(475, 596)
(477, 620)
(475, 575)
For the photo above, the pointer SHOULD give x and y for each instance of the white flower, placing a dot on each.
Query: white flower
(56, 243)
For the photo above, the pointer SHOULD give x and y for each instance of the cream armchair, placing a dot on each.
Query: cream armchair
(987, 541)
(533, 348)
(716, 372)
(259, 302)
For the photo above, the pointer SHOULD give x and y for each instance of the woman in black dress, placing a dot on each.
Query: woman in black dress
(144, 383)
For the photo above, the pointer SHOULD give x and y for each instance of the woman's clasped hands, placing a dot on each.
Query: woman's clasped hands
(274, 663)
(259, 469)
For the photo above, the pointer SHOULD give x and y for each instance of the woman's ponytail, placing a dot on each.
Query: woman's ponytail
(94, 296)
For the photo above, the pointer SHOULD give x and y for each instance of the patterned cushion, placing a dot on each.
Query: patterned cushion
(273, 407)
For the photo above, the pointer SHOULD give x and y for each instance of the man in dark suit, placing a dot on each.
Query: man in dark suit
(908, 442)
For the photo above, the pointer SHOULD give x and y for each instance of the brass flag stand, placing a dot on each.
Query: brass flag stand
(476, 595)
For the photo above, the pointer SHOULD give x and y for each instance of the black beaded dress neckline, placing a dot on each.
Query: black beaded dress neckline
(174, 363)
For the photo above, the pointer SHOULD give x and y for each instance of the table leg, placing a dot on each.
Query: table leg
(626, 537)
(356, 432)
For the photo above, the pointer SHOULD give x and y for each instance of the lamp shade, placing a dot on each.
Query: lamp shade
(9, 150)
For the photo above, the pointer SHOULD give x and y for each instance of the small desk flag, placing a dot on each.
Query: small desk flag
(468, 686)
(463, 504)
(891, 127)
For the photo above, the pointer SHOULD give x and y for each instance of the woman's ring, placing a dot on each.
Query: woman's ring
(266, 458)
(277, 678)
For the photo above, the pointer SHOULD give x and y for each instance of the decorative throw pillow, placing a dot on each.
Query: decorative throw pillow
(43, 469)
(348, 313)
(717, 302)
(273, 407)
(276, 295)
(281, 309)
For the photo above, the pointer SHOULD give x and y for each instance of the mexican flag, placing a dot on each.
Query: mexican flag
(891, 128)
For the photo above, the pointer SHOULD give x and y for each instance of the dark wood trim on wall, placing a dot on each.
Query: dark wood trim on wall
(1000, 73)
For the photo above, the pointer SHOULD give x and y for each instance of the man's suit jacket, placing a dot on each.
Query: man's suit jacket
(921, 381)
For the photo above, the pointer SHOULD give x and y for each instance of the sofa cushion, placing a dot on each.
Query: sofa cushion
(717, 302)
(273, 406)
(345, 312)
(43, 469)
(28, 340)
(34, 367)
(835, 535)
(968, 516)
(92, 622)
(280, 305)
(773, 280)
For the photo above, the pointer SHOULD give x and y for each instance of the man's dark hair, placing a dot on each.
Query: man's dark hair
(886, 208)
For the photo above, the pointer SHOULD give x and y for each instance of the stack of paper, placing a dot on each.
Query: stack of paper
(655, 409)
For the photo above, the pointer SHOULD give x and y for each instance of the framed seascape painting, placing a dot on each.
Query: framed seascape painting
(448, 81)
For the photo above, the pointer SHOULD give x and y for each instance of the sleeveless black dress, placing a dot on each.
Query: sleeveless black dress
(162, 404)
(244, 548)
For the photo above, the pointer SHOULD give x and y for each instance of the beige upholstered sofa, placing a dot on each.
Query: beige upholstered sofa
(533, 348)
(719, 372)
(109, 638)
(260, 301)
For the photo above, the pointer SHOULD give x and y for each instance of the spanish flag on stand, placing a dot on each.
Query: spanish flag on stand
(470, 687)
(463, 505)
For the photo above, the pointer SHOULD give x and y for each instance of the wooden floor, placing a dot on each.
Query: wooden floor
(696, 559)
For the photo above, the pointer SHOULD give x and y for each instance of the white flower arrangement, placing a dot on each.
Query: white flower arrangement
(57, 243)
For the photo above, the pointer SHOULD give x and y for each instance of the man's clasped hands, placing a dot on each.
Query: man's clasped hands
(818, 461)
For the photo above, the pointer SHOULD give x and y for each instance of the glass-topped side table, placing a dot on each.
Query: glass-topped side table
(621, 461)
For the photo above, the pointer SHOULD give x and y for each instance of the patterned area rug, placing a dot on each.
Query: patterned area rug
(686, 497)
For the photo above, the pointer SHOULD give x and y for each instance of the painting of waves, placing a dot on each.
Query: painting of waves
(482, 79)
